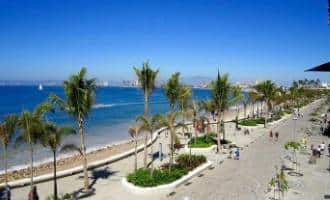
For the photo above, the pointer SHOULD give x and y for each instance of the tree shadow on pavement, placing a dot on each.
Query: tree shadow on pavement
(296, 174)
(101, 174)
(97, 174)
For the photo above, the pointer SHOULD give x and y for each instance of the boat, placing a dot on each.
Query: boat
(40, 88)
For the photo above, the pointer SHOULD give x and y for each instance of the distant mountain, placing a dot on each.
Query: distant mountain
(196, 80)
(32, 83)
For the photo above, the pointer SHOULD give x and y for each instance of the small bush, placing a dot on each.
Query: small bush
(206, 141)
(248, 123)
(252, 122)
(190, 162)
(202, 142)
(143, 178)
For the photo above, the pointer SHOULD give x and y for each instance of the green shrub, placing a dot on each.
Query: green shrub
(248, 123)
(142, 177)
(205, 141)
(252, 122)
(190, 162)
(202, 141)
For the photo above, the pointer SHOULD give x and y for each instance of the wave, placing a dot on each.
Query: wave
(101, 105)
(98, 106)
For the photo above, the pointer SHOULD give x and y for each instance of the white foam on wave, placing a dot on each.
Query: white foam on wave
(65, 155)
(101, 105)
(98, 106)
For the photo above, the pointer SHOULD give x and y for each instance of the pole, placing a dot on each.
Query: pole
(160, 152)
(329, 156)
(294, 128)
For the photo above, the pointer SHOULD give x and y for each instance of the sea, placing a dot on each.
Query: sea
(115, 109)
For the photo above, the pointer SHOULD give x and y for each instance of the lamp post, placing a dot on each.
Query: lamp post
(294, 127)
(329, 156)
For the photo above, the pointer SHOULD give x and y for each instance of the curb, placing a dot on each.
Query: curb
(164, 189)
(78, 169)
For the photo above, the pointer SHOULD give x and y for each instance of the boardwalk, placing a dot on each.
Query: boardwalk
(248, 178)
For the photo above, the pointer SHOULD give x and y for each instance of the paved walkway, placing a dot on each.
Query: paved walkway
(243, 179)
(248, 178)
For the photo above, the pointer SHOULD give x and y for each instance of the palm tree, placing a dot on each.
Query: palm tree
(195, 108)
(170, 122)
(237, 98)
(220, 89)
(79, 98)
(184, 99)
(30, 125)
(148, 125)
(267, 89)
(253, 97)
(172, 90)
(209, 107)
(134, 132)
(52, 138)
(147, 78)
(7, 130)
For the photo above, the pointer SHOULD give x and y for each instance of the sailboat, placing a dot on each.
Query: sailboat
(40, 88)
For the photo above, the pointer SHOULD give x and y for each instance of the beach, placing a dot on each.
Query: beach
(101, 153)
(108, 185)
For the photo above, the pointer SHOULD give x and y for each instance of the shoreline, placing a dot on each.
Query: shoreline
(72, 160)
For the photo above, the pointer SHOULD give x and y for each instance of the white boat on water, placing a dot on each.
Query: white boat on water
(40, 87)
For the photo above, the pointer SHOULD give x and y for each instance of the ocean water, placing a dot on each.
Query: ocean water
(114, 111)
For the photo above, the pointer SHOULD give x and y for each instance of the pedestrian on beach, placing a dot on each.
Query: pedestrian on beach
(271, 135)
(276, 136)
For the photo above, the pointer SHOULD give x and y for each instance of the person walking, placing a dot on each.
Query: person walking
(33, 195)
(271, 135)
(276, 136)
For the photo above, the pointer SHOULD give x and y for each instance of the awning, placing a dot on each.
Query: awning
(321, 68)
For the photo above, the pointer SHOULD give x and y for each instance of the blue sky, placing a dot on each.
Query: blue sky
(257, 39)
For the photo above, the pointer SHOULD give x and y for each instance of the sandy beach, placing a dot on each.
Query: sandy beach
(71, 162)
(99, 154)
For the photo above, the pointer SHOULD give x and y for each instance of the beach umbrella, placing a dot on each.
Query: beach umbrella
(321, 68)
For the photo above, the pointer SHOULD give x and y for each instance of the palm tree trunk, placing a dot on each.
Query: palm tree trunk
(152, 154)
(6, 163)
(258, 110)
(146, 113)
(135, 160)
(172, 147)
(146, 105)
(145, 157)
(83, 150)
(218, 133)
(31, 167)
(252, 110)
(265, 124)
(54, 177)
(195, 131)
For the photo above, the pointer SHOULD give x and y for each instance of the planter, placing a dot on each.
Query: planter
(78, 169)
(164, 189)
(201, 150)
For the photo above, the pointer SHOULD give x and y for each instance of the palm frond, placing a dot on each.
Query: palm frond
(70, 148)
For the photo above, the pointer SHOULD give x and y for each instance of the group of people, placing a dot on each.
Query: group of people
(318, 151)
(271, 135)
(234, 153)
(5, 194)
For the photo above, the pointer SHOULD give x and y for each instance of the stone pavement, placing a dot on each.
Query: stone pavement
(248, 178)
(243, 179)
